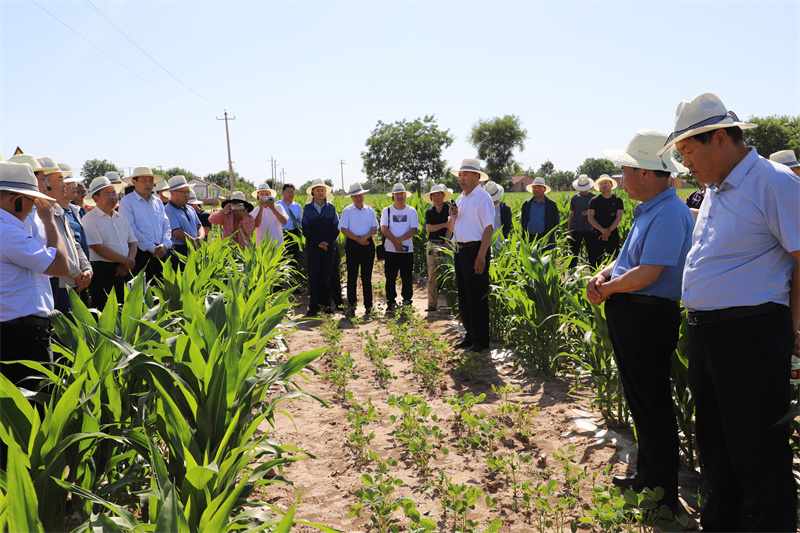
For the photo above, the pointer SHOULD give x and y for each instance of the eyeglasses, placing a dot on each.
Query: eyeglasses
(109, 194)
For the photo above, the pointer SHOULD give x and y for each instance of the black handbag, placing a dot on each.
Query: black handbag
(380, 250)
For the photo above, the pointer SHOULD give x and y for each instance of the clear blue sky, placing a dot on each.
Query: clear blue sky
(308, 81)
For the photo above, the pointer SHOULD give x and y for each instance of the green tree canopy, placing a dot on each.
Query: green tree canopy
(178, 171)
(547, 169)
(774, 134)
(595, 167)
(408, 152)
(222, 178)
(94, 168)
(496, 140)
(561, 180)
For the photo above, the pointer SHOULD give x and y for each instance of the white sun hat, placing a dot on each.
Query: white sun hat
(439, 187)
(583, 183)
(471, 165)
(49, 165)
(643, 151)
(265, 187)
(139, 172)
(193, 198)
(19, 178)
(98, 184)
(495, 191)
(27, 158)
(69, 175)
(178, 182)
(785, 157)
(538, 181)
(238, 196)
(605, 177)
(328, 198)
(318, 183)
(356, 189)
(398, 188)
(705, 113)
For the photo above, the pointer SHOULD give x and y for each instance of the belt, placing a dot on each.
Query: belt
(30, 320)
(436, 241)
(470, 244)
(698, 318)
(627, 297)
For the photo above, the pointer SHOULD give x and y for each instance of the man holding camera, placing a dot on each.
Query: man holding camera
(269, 215)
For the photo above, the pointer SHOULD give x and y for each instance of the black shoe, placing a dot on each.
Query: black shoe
(477, 348)
(629, 482)
(311, 314)
(465, 343)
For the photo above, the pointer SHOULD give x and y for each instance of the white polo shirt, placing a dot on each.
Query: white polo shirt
(24, 288)
(269, 223)
(113, 231)
(475, 213)
(358, 221)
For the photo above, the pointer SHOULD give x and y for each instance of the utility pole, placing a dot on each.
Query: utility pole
(228, 138)
(283, 177)
(273, 166)
(341, 166)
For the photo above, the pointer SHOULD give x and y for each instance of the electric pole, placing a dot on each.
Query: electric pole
(341, 166)
(228, 138)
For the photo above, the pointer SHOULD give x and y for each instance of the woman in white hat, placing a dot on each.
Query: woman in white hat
(399, 224)
(321, 229)
(437, 217)
(605, 214)
(269, 216)
(235, 219)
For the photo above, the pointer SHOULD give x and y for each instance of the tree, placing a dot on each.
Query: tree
(595, 167)
(409, 152)
(94, 168)
(178, 171)
(222, 178)
(561, 180)
(547, 169)
(774, 134)
(496, 140)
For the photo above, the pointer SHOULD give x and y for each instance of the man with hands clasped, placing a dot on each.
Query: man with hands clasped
(358, 223)
(399, 224)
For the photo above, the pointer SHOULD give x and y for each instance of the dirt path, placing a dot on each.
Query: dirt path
(327, 484)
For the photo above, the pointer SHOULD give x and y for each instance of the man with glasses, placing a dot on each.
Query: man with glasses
(80, 196)
(183, 219)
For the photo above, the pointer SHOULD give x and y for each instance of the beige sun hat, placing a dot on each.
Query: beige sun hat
(178, 182)
(583, 183)
(605, 177)
(238, 196)
(19, 178)
(785, 157)
(538, 181)
(439, 187)
(644, 151)
(142, 171)
(398, 188)
(318, 183)
(705, 113)
(356, 189)
(471, 165)
(495, 191)
(328, 198)
(193, 198)
(162, 185)
(49, 165)
(265, 187)
(27, 158)
(98, 184)
(69, 175)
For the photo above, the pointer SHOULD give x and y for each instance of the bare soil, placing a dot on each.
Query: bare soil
(326, 484)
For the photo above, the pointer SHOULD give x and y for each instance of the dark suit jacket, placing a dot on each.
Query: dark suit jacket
(551, 219)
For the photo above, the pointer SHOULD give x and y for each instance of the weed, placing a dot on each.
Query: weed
(469, 365)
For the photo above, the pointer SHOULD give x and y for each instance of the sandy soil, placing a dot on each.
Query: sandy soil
(327, 484)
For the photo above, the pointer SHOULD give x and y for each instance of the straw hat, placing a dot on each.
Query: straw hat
(605, 177)
(495, 191)
(193, 199)
(356, 189)
(705, 113)
(785, 157)
(439, 187)
(161, 186)
(19, 178)
(26, 158)
(265, 187)
(98, 184)
(643, 151)
(398, 188)
(238, 197)
(139, 172)
(471, 165)
(538, 181)
(318, 183)
(49, 165)
(328, 198)
(583, 183)
(178, 182)
(69, 176)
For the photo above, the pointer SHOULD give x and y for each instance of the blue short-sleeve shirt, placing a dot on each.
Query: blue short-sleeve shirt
(184, 218)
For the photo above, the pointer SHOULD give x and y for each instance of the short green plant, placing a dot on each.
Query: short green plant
(469, 365)
(463, 404)
(573, 475)
(377, 352)
(359, 417)
(459, 499)
(422, 440)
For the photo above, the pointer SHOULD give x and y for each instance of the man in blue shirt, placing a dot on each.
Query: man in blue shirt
(641, 289)
(539, 213)
(294, 215)
(183, 220)
(741, 288)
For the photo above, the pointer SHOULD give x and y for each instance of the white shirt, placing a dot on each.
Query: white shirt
(402, 220)
(113, 231)
(35, 228)
(24, 288)
(475, 213)
(269, 222)
(358, 221)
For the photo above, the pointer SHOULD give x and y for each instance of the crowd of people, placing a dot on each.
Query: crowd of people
(730, 255)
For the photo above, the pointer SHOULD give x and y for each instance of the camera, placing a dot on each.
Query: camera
(237, 207)
(265, 199)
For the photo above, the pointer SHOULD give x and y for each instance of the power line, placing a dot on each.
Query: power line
(142, 50)
(117, 61)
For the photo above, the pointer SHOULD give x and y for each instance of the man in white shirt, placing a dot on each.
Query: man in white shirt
(358, 224)
(399, 224)
(473, 224)
(269, 215)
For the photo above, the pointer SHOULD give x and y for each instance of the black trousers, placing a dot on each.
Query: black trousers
(595, 247)
(473, 295)
(292, 247)
(60, 297)
(402, 262)
(105, 280)
(359, 257)
(336, 276)
(320, 269)
(151, 265)
(738, 373)
(576, 242)
(644, 337)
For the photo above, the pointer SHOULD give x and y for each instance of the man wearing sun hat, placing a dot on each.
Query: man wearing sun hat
(641, 290)
(578, 227)
(787, 158)
(437, 218)
(269, 215)
(235, 219)
(183, 219)
(399, 224)
(320, 227)
(358, 223)
(741, 289)
(32, 224)
(605, 214)
(540, 215)
(149, 221)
